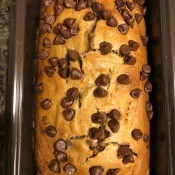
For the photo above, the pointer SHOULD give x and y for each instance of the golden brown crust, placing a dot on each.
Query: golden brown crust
(133, 111)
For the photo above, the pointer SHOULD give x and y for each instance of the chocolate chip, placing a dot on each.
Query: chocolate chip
(128, 159)
(74, 30)
(99, 92)
(114, 114)
(107, 134)
(61, 157)
(43, 14)
(96, 170)
(144, 40)
(65, 33)
(121, 7)
(137, 134)
(138, 17)
(69, 114)
(125, 50)
(114, 125)
(51, 131)
(60, 145)
(99, 117)
(105, 47)
(105, 14)
(130, 22)
(69, 22)
(50, 70)
(50, 19)
(150, 115)
(102, 80)
(69, 3)
(89, 3)
(46, 42)
(144, 11)
(98, 150)
(130, 5)
(149, 106)
(140, 2)
(73, 93)
(69, 169)
(126, 14)
(92, 144)
(148, 87)
(81, 5)
(90, 16)
(123, 151)
(73, 55)
(129, 60)
(97, 7)
(66, 102)
(45, 28)
(133, 45)
(112, 171)
(43, 54)
(54, 166)
(57, 28)
(135, 93)
(64, 73)
(118, 2)
(46, 2)
(123, 28)
(58, 40)
(39, 88)
(123, 79)
(143, 76)
(146, 68)
(146, 138)
(95, 133)
(112, 21)
(76, 74)
(59, 2)
(46, 104)
(63, 63)
(58, 9)
(54, 61)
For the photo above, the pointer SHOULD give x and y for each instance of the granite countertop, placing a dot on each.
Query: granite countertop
(4, 34)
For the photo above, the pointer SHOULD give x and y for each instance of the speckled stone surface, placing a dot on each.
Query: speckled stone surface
(4, 33)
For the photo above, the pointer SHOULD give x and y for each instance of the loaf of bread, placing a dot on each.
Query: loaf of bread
(92, 91)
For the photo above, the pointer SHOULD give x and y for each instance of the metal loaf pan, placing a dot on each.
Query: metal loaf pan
(19, 153)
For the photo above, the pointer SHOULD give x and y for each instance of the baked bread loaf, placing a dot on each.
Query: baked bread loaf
(92, 103)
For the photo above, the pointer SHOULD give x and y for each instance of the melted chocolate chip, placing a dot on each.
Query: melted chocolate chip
(112, 22)
(146, 68)
(57, 28)
(50, 19)
(123, 28)
(125, 50)
(126, 14)
(89, 3)
(74, 30)
(81, 5)
(137, 134)
(69, 169)
(135, 93)
(46, 42)
(144, 40)
(54, 166)
(138, 17)
(76, 74)
(140, 2)
(99, 117)
(128, 159)
(105, 47)
(112, 171)
(123, 151)
(98, 150)
(150, 115)
(39, 88)
(69, 3)
(97, 7)
(148, 87)
(73, 93)
(60, 145)
(58, 9)
(144, 11)
(129, 60)
(65, 33)
(114, 114)
(54, 61)
(45, 28)
(105, 14)
(92, 144)
(61, 157)
(123, 79)
(99, 92)
(133, 45)
(69, 114)
(66, 102)
(130, 22)
(95, 133)
(96, 170)
(50, 70)
(46, 104)
(43, 54)
(102, 80)
(63, 63)
(90, 16)
(69, 22)
(130, 5)
(58, 40)
(51, 131)
(64, 73)
(114, 125)
(73, 55)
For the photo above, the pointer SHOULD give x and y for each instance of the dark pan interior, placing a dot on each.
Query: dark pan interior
(19, 152)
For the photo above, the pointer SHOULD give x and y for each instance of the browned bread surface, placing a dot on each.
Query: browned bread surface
(120, 138)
